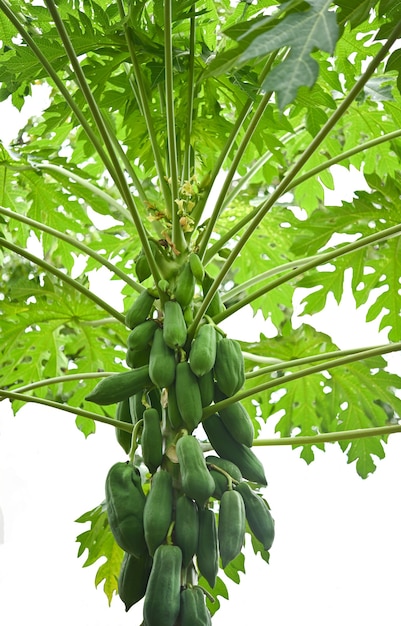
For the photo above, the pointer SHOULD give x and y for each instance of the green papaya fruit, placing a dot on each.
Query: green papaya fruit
(136, 406)
(142, 268)
(161, 361)
(125, 503)
(229, 369)
(152, 440)
(196, 266)
(237, 420)
(119, 386)
(231, 527)
(141, 335)
(207, 554)
(193, 611)
(162, 600)
(133, 578)
(137, 358)
(186, 528)
(174, 326)
(216, 305)
(158, 512)
(206, 388)
(215, 463)
(195, 477)
(228, 448)
(173, 413)
(202, 355)
(188, 395)
(185, 286)
(123, 414)
(258, 515)
(140, 309)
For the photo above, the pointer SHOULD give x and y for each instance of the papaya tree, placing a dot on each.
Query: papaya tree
(185, 149)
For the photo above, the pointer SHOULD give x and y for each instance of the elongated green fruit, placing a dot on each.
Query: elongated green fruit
(220, 479)
(158, 511)
(196, 266)
(141, 335)
(202, 355)
(258, 515)
(153, 397)
(123, 414)
(152, 440)
(185, 286)
(195, 477)
(142, 268)
(206, 388)
(194, 611)
(125, 503)
(224, 464)
(162, 600)
(137, 358)
(174, 326)
(238, 422)
(136, 406)
(120, 386)
(207, 554)
(188, 395)
(186, 528)
(133, 578)
(231, 528)
(229, 366)
(216, 305)
(173, 413)
(140, 309)
(161, 361)
(228, 448)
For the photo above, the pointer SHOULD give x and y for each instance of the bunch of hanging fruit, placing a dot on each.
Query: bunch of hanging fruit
(178, 511)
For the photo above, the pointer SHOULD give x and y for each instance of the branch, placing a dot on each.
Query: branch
(313, 172)
(75, 243)
(219, 204)
(11, 395)
(283, 380)
(177, 232)
(120, 179)
(277, 365)
(85, 183)
(143, 103)
(90, 100)
(291, 174)
(60, 379)
(343, 156)
(64, 277)
(340, 435)
(236, 129)
(59, 84)
(186, 168)
(315, 261)
(240, 289)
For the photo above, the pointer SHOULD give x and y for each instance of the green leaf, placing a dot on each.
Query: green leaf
(302, 32)
(235, 566)
(258, 548)
(220, 589)
(99, 543)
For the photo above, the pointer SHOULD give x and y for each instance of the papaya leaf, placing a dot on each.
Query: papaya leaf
(258, 548)
(220, 589)
(302, 33)
(235, 566)
(99, 543)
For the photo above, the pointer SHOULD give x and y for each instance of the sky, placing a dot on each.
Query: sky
(337, 552)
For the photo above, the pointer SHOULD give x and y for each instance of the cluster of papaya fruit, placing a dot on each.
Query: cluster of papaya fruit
(187, 509)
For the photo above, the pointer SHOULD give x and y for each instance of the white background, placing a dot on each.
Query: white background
(337, 554)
